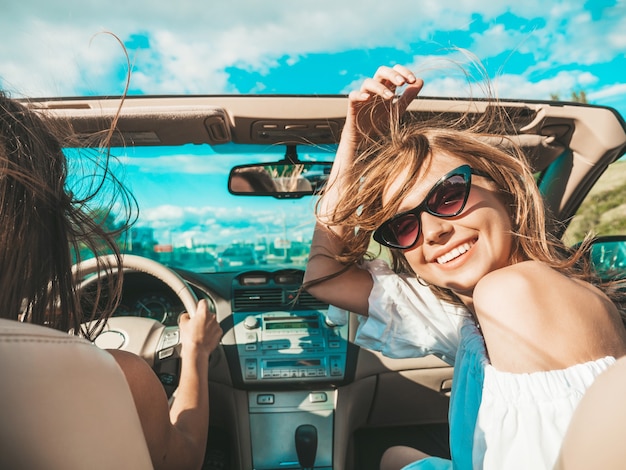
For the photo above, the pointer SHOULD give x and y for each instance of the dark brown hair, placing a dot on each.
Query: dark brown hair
(44, 226)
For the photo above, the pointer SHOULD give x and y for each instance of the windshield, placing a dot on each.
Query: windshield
(187, 217)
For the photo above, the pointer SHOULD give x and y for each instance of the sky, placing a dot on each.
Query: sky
(534, 49)
(530, 49)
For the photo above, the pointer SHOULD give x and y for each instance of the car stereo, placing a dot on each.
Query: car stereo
(286, 346)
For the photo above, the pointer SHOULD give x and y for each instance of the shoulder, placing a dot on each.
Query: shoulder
(534, 287)
(144, 384)
(521, 281)
(129, 362)
(551, 320)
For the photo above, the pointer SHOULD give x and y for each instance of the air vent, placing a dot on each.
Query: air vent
(307, 301)
(257, 299)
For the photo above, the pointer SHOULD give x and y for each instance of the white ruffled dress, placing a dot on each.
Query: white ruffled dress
(498, 420)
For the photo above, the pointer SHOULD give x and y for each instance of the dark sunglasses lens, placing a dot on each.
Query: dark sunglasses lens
(404, 230)
(449, 197)
(446, 199)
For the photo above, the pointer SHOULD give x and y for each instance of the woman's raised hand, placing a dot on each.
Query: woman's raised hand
(375, 103)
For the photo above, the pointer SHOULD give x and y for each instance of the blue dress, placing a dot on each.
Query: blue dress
(468, 378)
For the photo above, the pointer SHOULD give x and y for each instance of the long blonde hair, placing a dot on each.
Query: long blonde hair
(403, 152)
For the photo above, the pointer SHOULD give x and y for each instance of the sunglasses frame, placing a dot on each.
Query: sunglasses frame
(464, 170)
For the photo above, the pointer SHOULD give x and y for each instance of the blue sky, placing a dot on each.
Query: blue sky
(531, 50)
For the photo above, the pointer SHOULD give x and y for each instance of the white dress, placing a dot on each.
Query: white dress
(498, 420)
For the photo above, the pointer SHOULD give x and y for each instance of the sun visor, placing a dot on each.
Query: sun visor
(145, 125)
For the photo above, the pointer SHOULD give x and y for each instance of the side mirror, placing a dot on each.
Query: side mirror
(279, 179)
(608, 257)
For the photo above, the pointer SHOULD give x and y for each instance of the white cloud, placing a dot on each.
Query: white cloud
(562, 84)
(176, 224)
(612, 91)
(192, 43)
(180, 163)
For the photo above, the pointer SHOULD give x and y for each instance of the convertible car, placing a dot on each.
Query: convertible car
(289, 387)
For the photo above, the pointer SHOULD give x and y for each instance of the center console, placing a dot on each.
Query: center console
(291, 361)
(290, 347)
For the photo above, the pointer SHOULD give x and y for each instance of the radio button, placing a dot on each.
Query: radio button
(251, 322)
(335, 366)
(265, 399)
(251, 369)
(318, 397)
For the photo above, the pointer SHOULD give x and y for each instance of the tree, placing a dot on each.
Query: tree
(576, 97)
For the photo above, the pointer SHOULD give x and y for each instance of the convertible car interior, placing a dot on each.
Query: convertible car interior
(289, 387)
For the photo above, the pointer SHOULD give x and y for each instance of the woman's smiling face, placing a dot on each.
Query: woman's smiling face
(455, 253)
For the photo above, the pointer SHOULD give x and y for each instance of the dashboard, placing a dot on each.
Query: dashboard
(276, 335)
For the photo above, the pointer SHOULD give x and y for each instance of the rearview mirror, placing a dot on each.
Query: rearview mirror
(279, 179)
(608, 257)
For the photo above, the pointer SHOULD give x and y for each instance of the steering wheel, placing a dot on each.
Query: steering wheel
(145, 337)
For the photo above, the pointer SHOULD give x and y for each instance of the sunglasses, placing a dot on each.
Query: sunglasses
(446, 198)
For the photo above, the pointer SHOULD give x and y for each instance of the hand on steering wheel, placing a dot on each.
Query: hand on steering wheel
(145, 337)
(200, 332)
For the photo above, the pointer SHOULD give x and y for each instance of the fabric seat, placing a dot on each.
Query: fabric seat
(64, 404)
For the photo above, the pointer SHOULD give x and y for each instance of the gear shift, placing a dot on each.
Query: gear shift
(306, 445)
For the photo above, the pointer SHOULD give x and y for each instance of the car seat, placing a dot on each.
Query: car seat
(64, 404)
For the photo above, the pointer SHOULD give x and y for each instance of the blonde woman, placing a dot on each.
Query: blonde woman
(475, 278)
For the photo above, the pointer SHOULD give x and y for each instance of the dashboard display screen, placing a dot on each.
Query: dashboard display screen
(295, 363)
(291, 325)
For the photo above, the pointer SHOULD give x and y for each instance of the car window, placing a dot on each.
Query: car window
(188, 218)
(603, 211)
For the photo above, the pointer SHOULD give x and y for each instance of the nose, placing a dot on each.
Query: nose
(434, 229)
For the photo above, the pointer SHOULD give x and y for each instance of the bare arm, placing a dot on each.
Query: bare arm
(350, 290)
(176, 437)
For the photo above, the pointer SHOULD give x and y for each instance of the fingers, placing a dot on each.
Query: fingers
(386, 80)
(371, 107)
(410, 93)
(202, 329)
(384, 84)
(397, 76)
(208, 320)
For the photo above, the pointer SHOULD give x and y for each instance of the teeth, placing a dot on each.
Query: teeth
(458, 251)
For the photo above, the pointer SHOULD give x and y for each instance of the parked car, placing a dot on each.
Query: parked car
(281, 365)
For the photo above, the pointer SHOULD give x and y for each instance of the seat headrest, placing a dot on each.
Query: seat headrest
(64, 404)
